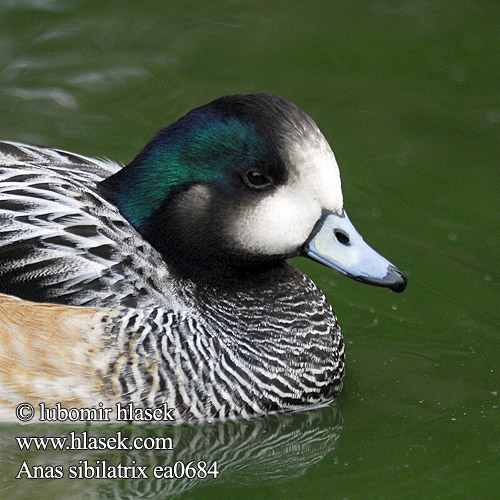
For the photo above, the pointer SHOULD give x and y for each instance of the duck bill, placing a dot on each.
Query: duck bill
(335, 242)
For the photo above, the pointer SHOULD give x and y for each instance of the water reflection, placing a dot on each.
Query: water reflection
(273, 449)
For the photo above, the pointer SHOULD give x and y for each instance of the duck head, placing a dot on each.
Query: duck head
(241, 183)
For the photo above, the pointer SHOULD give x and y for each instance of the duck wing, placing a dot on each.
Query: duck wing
(61, 242)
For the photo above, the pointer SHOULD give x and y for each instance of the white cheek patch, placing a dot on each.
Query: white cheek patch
(314, 163)
(281, 222)
(278, 224)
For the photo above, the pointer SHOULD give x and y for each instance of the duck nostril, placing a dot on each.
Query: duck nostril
(342, 237)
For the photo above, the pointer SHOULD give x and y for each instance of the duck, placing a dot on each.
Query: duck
(166, 282)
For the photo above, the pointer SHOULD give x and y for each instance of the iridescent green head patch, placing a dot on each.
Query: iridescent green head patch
(202, 147)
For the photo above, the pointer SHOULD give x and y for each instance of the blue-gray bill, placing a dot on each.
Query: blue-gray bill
(336, 243)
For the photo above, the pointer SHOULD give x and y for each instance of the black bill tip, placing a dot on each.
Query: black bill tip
(395, 279)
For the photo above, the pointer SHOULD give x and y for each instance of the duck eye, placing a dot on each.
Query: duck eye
(256, 180)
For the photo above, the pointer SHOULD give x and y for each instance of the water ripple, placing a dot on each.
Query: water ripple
(57, 95)
(92, 80)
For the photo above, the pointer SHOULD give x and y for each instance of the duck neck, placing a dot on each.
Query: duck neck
(257, 302)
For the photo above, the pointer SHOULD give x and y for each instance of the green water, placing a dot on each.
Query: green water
(408, 93)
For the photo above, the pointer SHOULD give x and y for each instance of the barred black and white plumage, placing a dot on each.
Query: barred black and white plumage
(165, 282)
(230, 366)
